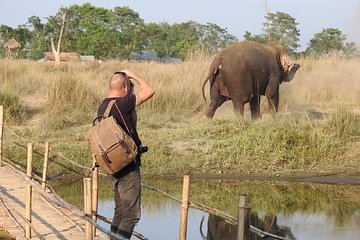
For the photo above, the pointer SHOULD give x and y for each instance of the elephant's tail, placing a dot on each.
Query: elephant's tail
(203, 86)
(214, 68)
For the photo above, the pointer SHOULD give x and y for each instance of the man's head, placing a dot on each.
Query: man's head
(120, 82)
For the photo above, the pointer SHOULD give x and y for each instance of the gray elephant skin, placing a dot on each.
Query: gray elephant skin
(243, 72)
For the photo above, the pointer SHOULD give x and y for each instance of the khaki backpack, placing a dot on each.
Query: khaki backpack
(112, 147)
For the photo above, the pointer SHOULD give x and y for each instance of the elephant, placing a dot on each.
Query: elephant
(243, 72)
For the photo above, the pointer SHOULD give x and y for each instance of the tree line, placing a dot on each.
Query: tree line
(120, 32)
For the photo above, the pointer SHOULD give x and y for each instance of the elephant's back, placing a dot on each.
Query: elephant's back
(247, 54)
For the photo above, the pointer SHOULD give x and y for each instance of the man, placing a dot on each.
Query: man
(126, 183)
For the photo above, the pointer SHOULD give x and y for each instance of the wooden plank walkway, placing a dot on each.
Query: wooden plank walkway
(48, 220)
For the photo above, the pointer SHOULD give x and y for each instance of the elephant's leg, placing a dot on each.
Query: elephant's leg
(255, 107)
(239, 107)
(216, 101)
(214, 104)
(272, 94)
(273, 103)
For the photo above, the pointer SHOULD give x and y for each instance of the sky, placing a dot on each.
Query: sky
(237, 16)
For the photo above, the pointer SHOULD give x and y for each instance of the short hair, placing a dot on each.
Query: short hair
(118, 81)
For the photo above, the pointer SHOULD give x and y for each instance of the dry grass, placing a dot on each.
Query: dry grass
(318, 116)
(324, 85)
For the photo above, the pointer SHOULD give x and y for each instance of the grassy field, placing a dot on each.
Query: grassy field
(316, 131)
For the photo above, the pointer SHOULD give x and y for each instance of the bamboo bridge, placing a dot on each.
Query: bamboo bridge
(49, 221)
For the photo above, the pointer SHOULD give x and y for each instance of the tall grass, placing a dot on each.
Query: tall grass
(325, 84)
(13, 112)
(315, 129)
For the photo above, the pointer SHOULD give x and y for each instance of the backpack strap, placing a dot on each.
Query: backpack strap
(127, 128)
(106, 113)
(108, 108)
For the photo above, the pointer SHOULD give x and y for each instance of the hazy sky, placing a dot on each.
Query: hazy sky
(237, 16)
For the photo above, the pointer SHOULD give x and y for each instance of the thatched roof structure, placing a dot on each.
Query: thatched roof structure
(12, 44)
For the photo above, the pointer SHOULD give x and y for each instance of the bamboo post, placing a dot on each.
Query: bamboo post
(95, 176)
(1, 131)
(87, 207)
(244, 211)
(46, 158)
(184, 207)
(28, 191)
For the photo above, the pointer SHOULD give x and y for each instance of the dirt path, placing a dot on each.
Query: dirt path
(35, 107)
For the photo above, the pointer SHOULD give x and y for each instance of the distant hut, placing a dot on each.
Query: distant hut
(10, 46)
(64, 56)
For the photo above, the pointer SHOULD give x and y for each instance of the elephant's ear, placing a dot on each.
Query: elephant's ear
(285, 61)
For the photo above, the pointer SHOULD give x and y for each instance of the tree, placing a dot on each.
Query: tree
(260, 38)
(350, 50)
(130, 31)
(213, 38)
(182, 39)
(178, 39)
(281, 29)
(87, 30)
(57, 51)
(115, 33)
(103, 33)
(38, 43)
(328, 41)
(175, 40)
(156, 38)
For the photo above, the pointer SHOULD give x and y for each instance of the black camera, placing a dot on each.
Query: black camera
(142, 149)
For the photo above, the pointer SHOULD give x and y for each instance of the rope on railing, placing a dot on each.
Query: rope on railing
(22, 138)
(73, 162)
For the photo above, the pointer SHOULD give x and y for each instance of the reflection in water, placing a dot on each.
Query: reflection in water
(219, 229)
(295, 210)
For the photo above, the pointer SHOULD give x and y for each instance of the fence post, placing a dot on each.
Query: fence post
(87, 207)
(95, 177)
(184, 207)
(244, 211)
(46, 158)
(28, 191)
(1, 131)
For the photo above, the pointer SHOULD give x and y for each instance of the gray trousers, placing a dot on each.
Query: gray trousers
(127, 211)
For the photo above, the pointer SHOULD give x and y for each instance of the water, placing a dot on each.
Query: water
(164, 224)
(293, 210)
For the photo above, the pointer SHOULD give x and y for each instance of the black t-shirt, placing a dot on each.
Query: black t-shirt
(126, 105)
